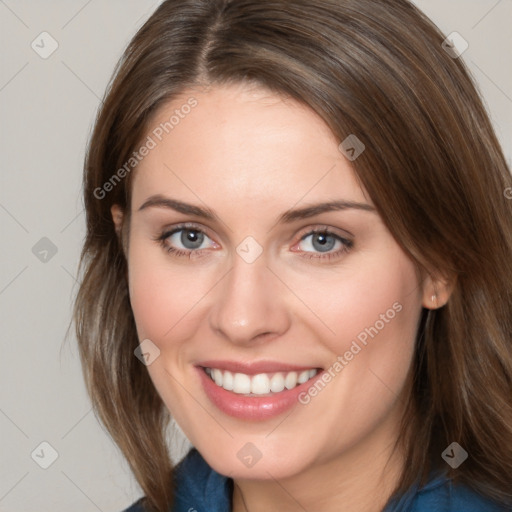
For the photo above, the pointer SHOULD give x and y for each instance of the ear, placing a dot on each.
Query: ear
(437, 290)
(117, 217)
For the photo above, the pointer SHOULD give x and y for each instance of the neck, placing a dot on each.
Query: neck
(361, 480)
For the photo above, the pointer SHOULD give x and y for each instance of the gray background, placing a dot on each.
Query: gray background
(47, 107)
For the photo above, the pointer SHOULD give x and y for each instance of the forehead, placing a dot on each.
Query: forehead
(236, 141)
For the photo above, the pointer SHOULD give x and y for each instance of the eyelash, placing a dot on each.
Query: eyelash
(180, 253)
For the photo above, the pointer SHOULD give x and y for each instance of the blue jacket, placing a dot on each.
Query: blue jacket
(201, 489)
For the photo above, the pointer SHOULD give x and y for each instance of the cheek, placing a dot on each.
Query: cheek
(163, 296)
(165, 300)
(374, 313)
(379, 298)
(371, 310)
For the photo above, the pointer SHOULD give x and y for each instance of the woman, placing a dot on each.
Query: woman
(299, 246)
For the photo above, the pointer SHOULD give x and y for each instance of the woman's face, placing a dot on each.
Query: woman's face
(251, 284)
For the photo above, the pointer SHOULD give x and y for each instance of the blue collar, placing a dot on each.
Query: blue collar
(199, 488)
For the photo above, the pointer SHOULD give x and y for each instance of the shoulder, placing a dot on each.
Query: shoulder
(443, 495)
(198, 487)
(456, 497)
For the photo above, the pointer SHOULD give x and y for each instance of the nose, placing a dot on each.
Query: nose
(249, 305)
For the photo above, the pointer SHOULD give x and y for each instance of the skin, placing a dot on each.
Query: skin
(249, 155)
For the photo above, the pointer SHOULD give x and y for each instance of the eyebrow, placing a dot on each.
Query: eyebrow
(316, 209)
(159, 201)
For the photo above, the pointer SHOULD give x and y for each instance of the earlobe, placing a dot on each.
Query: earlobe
(117, 217)
(437, 291)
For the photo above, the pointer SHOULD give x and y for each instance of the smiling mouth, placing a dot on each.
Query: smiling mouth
(261, 383)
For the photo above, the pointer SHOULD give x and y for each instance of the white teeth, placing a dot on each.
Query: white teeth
(260, 384)
(291, 380)
(277, 383)
(241, 383)
(217, 376)
(303, 377)
(227, 381)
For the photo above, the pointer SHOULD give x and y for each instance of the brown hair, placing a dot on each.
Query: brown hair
(432, 166)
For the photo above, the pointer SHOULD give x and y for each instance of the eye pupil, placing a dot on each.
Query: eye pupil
(191, 236)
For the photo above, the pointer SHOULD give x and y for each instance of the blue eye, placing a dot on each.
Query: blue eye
(320, 242)
(190, 238)
(191, 241)
(184, 241)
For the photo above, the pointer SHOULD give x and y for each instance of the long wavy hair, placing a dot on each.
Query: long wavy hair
(432, 166)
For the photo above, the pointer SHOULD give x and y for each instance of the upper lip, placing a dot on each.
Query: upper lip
(254, 367)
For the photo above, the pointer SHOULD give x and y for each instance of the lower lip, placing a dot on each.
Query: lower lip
(255, 408)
